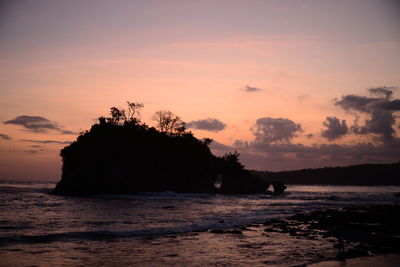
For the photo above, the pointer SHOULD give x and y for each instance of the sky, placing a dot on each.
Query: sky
(288, 84)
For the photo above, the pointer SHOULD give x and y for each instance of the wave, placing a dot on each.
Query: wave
(226, 221)
(108, 217)
(101, 235)
(12, 189)
(222, 222)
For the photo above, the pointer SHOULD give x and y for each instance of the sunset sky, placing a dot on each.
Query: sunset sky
(288, 84)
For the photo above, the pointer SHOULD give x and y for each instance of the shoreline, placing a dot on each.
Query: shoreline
(370, 233)
(388, 260)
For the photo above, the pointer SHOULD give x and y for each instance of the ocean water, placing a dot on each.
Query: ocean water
(161, 229)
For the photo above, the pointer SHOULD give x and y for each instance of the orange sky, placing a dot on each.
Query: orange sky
(70, 61)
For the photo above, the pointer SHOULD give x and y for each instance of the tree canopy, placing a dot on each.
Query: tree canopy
(119, 115)
(168, 122)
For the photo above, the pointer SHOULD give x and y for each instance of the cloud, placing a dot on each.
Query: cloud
(34, 123)
(217, 146)
(384, 91)
(309, 136)
(380, 123)
(334, 128)
(275, 130)
(379, 110)
(5, 137)
(301, 98)
(31, 151)
(46, 141)
(251, 89)
(272, 148)
(289, 156)
(37, 124)
(209, 124)
(357, 103)
(67, 132)
(241, 143)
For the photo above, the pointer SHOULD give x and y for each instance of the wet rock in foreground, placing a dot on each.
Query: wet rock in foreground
(365, 230)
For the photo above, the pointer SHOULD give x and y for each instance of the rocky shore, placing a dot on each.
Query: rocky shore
(366, 231)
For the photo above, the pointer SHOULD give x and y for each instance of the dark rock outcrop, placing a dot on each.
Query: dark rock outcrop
(278, 188)
(115, 158)
(365, 230)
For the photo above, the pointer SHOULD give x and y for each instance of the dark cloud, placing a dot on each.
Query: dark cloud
(220, 148)
(272, 149)
(250, 89)
(393, 105)
(37, 124)
(209, 124)
(350, 152)
(368, 104)
(5, 137)
(357, 103)
(46, 141)
(380, 123)
(241, 143)
(33, 123)
(384, 91)
(334, 128)
(29, 151)
(379, 110)
(275, 130)
(67, 132)
(289, 156)
(32, 151)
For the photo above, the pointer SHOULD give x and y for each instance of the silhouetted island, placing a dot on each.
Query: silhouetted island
(122, 155)
(364, 174)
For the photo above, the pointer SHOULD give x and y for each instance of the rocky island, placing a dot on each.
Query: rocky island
(122, 155)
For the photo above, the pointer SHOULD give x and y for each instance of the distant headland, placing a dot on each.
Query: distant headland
(122, 155)
(364, 174)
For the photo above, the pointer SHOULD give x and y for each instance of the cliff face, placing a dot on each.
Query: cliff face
(132, 158)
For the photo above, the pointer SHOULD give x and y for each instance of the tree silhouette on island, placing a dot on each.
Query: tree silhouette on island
(122, 155)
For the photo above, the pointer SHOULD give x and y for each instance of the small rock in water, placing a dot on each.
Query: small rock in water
(237, 232)
(171, 255)
(169, 207)
(279, 187)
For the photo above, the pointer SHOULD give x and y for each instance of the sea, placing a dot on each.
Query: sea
(166, 228)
